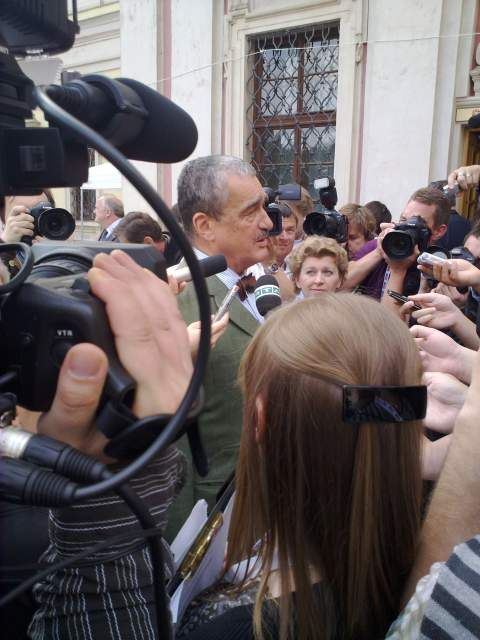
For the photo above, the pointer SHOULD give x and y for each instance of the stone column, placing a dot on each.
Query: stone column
(475, 72)
(145, 56)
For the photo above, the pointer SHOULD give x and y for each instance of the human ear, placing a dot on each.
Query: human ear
(260, 422)
(148, 240)
(439, 232)
(203, 226)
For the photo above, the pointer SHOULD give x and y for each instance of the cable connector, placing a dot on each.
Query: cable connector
(53, 454)
(25, 483)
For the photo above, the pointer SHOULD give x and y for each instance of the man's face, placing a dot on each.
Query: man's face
(101, 212)
(241, 233)
(283, 244)
(473, 245)
(25, 201)
(427, 212)
(356, 239)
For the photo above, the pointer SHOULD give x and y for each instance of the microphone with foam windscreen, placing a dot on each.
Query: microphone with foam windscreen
(267, 294)
(208, 266)
(139, 121)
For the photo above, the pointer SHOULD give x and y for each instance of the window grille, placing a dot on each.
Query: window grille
(292, 92)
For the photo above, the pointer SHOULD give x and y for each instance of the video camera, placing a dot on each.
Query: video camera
(47, 307)
(327, 222)
(400, 243)
(51, 311)
(284, 192)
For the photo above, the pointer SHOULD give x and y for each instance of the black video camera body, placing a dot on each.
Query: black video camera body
(284, 192)
(50, 222)
(327, 222)
(54, 310)
(400, 243)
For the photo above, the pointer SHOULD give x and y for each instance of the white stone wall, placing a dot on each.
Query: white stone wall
(192, 73)
(412, 55)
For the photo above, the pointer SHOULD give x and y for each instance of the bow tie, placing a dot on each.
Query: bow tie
(246, 285)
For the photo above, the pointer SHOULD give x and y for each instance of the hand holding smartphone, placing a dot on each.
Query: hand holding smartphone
(430, 259)
(402, 299)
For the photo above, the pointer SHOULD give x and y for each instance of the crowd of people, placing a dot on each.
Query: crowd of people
(349, 418)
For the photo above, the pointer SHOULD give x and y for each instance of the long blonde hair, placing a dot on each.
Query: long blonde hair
(340, 501)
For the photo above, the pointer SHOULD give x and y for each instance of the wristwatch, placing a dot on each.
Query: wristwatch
(273, 268)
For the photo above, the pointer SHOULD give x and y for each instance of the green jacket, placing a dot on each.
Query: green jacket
(220, 421)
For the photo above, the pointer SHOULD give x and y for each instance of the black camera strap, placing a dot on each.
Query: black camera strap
(130, 435)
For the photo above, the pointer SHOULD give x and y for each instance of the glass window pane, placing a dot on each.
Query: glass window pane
(293, 87)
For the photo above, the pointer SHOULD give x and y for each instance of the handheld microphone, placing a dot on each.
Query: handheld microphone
(140, 122)
(208, 266)
(267, 294)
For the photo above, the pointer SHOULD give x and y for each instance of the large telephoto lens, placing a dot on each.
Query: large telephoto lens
(398, 245)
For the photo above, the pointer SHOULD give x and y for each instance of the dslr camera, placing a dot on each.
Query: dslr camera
(50, 222)
(327, 222)
(272, 207)
(401, 242)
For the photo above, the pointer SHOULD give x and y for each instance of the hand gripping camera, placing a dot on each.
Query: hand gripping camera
(401, 242)
(327, 222)
(50, 222)
(52, 311)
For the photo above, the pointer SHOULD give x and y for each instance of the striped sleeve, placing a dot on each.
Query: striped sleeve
(454, 607)
(109, 595)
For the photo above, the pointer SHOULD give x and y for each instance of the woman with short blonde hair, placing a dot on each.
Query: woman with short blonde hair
(318, 265)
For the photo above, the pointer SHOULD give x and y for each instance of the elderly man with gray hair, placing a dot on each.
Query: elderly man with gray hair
(108, 213)
(221, 204)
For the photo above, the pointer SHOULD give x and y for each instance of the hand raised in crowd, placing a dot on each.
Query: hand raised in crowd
(151, 341)
(218, 329)
(19, 223)
(176, 286)
(458, 299)
(150, 334)
(465, 177)
(446, 395)
(437, 311)
(441, 353)
(455, 273)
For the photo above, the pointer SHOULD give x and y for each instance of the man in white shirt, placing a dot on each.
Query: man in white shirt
(108, 213)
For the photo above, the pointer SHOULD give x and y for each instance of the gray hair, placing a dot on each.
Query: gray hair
(114, 203)
(202, 186)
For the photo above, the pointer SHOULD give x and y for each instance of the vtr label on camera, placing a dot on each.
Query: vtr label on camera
(64, 333)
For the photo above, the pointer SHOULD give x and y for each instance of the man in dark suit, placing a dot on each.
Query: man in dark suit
(221, 204)
(108, 213)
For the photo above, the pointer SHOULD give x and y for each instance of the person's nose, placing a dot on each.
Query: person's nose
(319, 279)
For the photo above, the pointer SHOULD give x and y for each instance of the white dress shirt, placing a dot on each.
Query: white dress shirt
(229, 278)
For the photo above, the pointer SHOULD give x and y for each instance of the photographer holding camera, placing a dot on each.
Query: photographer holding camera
(423, 221)
(18, 222)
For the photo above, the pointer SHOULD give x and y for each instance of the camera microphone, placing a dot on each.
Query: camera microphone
(267, 294)
(208, 266)
(140, 122)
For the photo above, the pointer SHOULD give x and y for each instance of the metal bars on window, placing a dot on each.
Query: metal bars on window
(292, 92)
